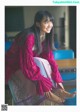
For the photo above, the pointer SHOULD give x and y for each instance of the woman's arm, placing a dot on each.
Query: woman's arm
(29, 67)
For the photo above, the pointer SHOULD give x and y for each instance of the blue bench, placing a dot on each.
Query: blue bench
(7, 45)
(63, 54)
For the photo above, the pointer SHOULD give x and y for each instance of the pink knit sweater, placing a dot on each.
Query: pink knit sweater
(22, 58)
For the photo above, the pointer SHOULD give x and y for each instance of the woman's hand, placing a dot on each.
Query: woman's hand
(54, 98)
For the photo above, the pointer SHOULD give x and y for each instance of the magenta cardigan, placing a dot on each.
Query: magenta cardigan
(22, 58)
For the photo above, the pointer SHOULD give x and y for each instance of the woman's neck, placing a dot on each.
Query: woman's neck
(42, 37)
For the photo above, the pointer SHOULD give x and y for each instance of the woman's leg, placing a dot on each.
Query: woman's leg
(46, 71)
(49, 94)
(40, 65)
(45, 68)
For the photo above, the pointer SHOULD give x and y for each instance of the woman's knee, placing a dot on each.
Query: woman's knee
(40, 65)
(37, 61)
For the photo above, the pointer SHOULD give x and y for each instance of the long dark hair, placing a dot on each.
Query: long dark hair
(49, 40)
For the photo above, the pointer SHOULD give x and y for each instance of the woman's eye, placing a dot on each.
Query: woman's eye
(46, 21)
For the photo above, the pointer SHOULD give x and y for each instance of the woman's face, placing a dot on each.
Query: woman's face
(46, 25)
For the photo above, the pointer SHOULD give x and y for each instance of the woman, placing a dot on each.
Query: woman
(32, 53)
